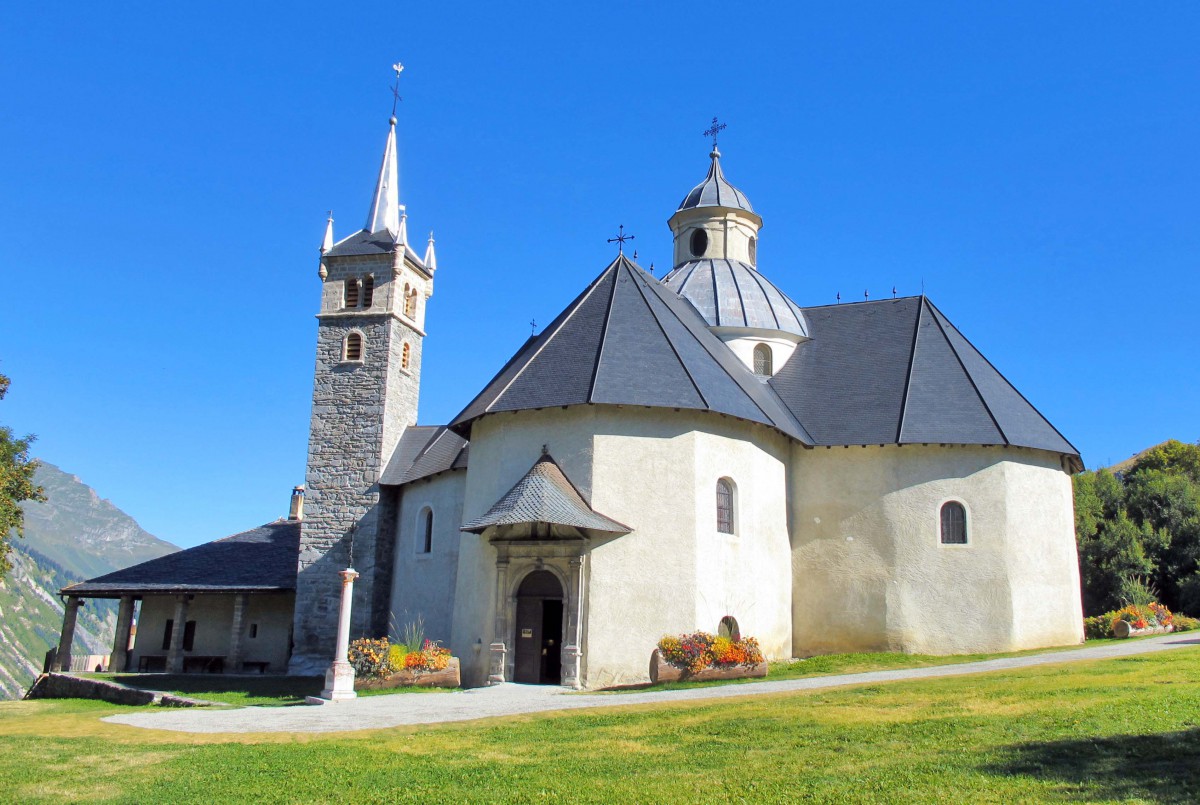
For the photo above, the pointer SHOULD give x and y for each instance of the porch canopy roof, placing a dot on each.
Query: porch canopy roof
(261, 560)
(545, 495)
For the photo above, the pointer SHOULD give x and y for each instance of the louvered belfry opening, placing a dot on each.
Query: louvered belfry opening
(368, 291)
(351, 299)
(354, 347)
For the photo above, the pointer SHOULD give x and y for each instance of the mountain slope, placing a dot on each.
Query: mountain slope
(73, 535)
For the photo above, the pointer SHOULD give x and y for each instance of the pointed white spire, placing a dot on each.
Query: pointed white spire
(385, 207)
(430, 257)
(402, 233)
(327, 242)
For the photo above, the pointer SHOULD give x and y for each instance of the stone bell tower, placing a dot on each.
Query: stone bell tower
(370, 329)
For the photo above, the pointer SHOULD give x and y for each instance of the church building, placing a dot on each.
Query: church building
(696, 452)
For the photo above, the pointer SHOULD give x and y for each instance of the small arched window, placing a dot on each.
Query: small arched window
(353, 349)
(368, 290)
(427, 531)
(410, 300)
(351, 292)
(954, 523)
(699, 242)
(764, 363)
(725, 512)
(405, 355)
(753, 250)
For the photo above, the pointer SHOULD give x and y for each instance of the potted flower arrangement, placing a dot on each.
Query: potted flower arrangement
(700, 656)
(1141, 619)
(379, 664)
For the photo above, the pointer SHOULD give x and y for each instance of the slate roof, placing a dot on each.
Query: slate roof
(262, 559)
(627, 340)
(715, 190)
(364, 242)
(730, 293)
(425, 450)
(898, 372)
(545, 495)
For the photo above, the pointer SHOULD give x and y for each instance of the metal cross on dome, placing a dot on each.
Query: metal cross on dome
(713, 130)
(620, 239)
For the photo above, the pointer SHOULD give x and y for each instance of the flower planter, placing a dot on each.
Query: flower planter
(662, 671)
(1125, 629)
(448, 677)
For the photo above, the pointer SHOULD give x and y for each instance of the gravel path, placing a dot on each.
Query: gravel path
(377, 712)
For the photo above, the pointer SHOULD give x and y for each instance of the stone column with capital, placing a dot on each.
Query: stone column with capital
(237, 633)
(62, 659)
(178, 627)
(339, 679)
(571, 651)
(120, 651)
(498, 650)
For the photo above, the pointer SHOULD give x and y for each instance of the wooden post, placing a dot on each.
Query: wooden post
(178, 627)
(120, 652)
(63, 658)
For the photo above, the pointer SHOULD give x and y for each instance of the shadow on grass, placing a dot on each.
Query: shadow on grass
(243, 690)
(1164, 767)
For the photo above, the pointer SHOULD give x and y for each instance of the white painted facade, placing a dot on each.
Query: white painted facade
(265, 629)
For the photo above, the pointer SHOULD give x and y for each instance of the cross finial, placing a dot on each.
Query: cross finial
(713, 130)
(620, 239)
(399, 68)
(533, 326)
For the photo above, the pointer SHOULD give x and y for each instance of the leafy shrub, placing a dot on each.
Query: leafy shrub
(1185, 624)
(1098, 627)
(370, 658)
(699, 650)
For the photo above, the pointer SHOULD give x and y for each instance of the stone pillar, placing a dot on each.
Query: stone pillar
(571, 652)
(499, 654)
(178, 627)
(339, 679)
(120, 650)
(237, 633)
(62, 659)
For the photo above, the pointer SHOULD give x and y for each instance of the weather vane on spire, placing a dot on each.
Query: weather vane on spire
(713, 130)
(399, 68)
(620, 239)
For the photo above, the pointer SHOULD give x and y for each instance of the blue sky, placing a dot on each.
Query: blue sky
(166, 172)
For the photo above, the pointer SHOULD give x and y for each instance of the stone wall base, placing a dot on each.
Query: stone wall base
(66, 686)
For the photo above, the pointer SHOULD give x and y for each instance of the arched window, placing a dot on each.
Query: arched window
(725, 504)
(954, 523)
(351, 292)
(427, 531)
(753, 250)
(410, 301)
(405, 355)
(699, 242)
(353, 348)
(763, 361)
(368, 290)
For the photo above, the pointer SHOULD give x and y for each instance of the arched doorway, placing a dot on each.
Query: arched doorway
(538, 639)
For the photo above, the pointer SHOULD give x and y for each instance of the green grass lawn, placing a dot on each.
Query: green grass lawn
(1097, 731)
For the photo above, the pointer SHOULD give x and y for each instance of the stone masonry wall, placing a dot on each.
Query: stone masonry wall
(360, 410)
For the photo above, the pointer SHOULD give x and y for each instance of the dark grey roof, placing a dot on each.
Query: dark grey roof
(425, 450)
(897, 372)
(730, 293)
(545, 495)
(715, 190)
(364, 242)
(262, 559)
(627, 340)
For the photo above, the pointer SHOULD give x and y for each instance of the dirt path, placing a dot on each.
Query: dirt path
(377, 712)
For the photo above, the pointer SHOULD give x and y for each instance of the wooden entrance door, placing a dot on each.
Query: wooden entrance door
(538, 638)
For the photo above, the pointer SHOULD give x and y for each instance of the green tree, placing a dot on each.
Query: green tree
(1110, 558)
(16, 485)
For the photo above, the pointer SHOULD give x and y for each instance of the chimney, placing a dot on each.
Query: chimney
(297, 508)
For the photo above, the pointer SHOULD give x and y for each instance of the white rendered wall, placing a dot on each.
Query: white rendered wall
(729, 233)
(742, 341)
(870, 571)
(423, 584)
(655, 471)
(213, 615)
